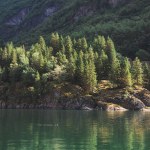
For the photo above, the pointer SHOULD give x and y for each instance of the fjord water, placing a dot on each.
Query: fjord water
(74, 130)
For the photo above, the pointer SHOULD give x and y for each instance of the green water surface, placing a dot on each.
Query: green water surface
(74, 130)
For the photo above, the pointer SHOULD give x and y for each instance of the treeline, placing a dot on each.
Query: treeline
(72, 60)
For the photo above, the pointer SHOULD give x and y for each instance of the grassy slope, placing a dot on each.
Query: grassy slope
(127, 24)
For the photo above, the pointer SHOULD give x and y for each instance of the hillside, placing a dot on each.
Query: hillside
(124, 21)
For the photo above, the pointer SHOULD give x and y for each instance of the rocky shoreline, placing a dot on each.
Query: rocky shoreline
(89, 102)
(70, 97)
(76, 105)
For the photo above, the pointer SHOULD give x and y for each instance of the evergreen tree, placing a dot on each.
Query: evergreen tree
(137, 72)
(84, 44)
(14, 58)
(90, 76)
(79, 44)
(102, 42)
(146, 76)
(102, 66)
(71, 68)
(42, 45)
(10, 48)
(54, 41)
(126, 73)
(74, 43)
(61, 45)
(4, 58)
(61, 59)
(99, 44)
(75, 55)
(69, 47)
(41, 61)
(49, 52)
(114, 63)
(80, 68)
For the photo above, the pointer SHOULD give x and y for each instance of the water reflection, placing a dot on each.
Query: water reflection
(74, 130)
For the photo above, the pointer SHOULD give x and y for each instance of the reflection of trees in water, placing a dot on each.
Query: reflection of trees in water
(127, 130)
(41, 129)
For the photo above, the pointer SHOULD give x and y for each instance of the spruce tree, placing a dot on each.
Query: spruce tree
(84, 44)
(137, 72)
(10, 48)
(102, 66)
(54, 41)
(41, 61)
(79, 44)
(126, 73)
(103, 43)
(146, 72)
(114, 63)
(42, 45)
(90, 76)
(99, 44)
(80, 68)
(4, 58)
(14, 58)
(71, 68)
(61, 45)
(61, 59)
(68, 47)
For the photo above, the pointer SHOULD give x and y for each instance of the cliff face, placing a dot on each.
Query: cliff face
(18, 18)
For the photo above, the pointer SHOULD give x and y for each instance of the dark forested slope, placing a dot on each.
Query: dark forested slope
(126, 22)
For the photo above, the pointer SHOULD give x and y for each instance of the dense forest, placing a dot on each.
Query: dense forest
(74, 61)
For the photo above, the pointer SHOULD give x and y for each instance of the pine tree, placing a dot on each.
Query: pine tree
(137, 72)
(75, 55)
(71, 68)
(4, 58)
(42, 45)
(102, 66)
(86, 81)
(14, 58)
(80, 68)
(146, 72)
(13, 68)
(41, 61)
(10, 48)
(90, 76)
(61, 59)
(74, 43)
(93, 75)
(99, 44)
(54, 41)
(49, 52)
(61, 45)
(84, 44)
(126, 73)
(102, 42)
(68, 47)
(114, 63)
(79, 44)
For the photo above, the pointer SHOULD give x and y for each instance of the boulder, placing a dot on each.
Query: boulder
(144, 96)
(109, 106)
(130, 102)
